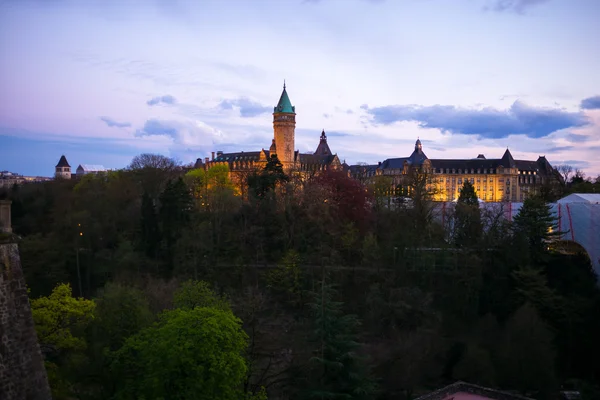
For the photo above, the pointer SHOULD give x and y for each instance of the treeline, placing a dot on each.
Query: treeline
(303, 288)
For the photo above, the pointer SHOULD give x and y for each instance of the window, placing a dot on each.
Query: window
(459, 180)
(472, 180)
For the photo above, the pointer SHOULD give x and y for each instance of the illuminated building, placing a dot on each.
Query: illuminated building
(494, 180)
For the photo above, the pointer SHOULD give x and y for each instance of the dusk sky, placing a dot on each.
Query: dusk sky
(102, 81)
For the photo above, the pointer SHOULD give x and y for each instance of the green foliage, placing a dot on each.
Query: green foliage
(121, 312)
(57, 315)
(467, 223)
(527, 354)
(536, 225)
(194, 294)
(287, 278)
(268, 179)
(189, 354)
(336, 371)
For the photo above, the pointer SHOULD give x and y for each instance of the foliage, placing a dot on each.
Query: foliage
(189, 354)
(467, 223)
(269, 178)
(336, 371)
(121, 312)
(56, 317)
(194, 294)
(536, 225)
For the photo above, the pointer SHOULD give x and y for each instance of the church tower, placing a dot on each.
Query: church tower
(62, 169)
(284, 126)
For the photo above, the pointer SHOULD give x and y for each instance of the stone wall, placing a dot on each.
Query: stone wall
(22, 371)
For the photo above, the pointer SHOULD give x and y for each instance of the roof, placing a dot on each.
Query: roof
(91, 168)
(323, 148)
(465, 387)
(63, 162)
(240, 156)
(284, 105)
(507, 160)
(590, 198)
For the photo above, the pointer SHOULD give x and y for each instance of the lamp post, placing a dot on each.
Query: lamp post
(80, 234)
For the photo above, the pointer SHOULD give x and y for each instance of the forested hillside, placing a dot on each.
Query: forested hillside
(158, 282)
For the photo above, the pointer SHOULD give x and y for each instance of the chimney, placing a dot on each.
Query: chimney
(205, 160)
(213, 155)
(5, 224)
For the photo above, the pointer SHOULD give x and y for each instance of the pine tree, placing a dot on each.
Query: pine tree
(266, 181)
(149, 227)
(176, 203)
(336, 372)
(467, 224)
(536, 225)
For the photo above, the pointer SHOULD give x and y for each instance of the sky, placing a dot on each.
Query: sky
(101, 81)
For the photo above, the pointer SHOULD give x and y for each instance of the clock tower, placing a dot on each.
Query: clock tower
(284, 126)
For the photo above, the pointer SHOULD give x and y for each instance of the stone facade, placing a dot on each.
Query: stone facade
(283, 145)
(495, 180)
(22, 372)
(5, 223)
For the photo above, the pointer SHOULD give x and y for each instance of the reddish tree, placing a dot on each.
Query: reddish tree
(348, 198)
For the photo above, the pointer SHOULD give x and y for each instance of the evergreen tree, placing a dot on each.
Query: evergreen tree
(535, 225)
(150, 232)
(266, 181)
(467, 224)
(337, 371)
(176, 203)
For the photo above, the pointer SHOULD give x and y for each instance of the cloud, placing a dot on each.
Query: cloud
(248, 108)
(166, 99)
(188, 134)
(112, 123)
(491, 123)
(591, 103)
(558, 149)
(515, 6)
(574, 137)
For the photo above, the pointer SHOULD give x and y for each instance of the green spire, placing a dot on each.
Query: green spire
(284, 105)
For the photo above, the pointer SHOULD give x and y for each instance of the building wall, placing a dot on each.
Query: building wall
(284, 126)
(22, 371)
(505, 184)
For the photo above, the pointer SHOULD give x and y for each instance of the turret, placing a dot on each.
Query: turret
(62, 169)
(284, 126)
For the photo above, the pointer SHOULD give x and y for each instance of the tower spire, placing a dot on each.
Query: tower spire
(284, 84)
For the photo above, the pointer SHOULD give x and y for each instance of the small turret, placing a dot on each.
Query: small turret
(62, 169)
(273, 148)
(323, 148)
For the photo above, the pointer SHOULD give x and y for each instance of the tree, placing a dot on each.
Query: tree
(527, 354)
(194, 294)
(57, 315)
(269, 178)
(189, 354)
(565, 171)
(336, 371)
(150, 231)
(154, 161)
(121, 312)
(535, 225)
(60, 321)
(467, 223)
(175, 206)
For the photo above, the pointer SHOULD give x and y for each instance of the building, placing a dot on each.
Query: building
(85, 169)
(62, 169)
(495, 180)
(282, 146)
(467, 391)
(9, 179)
